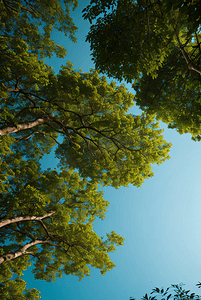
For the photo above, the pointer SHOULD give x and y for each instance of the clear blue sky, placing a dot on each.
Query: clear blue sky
(160, 221)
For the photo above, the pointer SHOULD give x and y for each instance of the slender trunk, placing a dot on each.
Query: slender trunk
(28, 218)
(23, 126)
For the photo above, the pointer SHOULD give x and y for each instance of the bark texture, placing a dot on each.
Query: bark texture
(28, 218)
(24, 126)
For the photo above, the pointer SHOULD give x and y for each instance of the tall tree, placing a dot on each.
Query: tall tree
(100, 138)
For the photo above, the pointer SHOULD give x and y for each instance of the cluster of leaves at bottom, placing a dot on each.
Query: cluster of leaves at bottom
(174, 292)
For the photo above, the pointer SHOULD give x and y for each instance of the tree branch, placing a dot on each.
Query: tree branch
(22, 251)
(28, 218)
(190, 63)
(23, 232)
(24, 126)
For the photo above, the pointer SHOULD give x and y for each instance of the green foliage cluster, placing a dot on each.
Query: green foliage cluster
(31, 23)
(47, 220)
(156, 46)
(124, 42)
(16, 289)
(99, 137)
(174, 95)
(25, 36)
(174, 292)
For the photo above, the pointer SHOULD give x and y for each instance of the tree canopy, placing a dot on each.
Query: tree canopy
(99, 137)
(155, 45)
(46, 216)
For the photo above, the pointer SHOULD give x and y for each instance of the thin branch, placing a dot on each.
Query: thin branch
(35, 132)
(114, 140)
(27, 137)
(7, 5)
(45, 228)
(148, 24)
(26, 108)
(23, 232)
(26, 94)
(189, 62)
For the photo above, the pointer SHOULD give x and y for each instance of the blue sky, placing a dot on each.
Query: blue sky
(160, 221)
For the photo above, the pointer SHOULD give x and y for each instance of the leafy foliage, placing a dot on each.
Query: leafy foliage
(156, 44)
(175, 291)
(31, 22)
(130, 38)
(15, 289)
(46, 216)
(25, 28)
(188, 8)
(100, 138)
(47, 219)
(174, 95)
